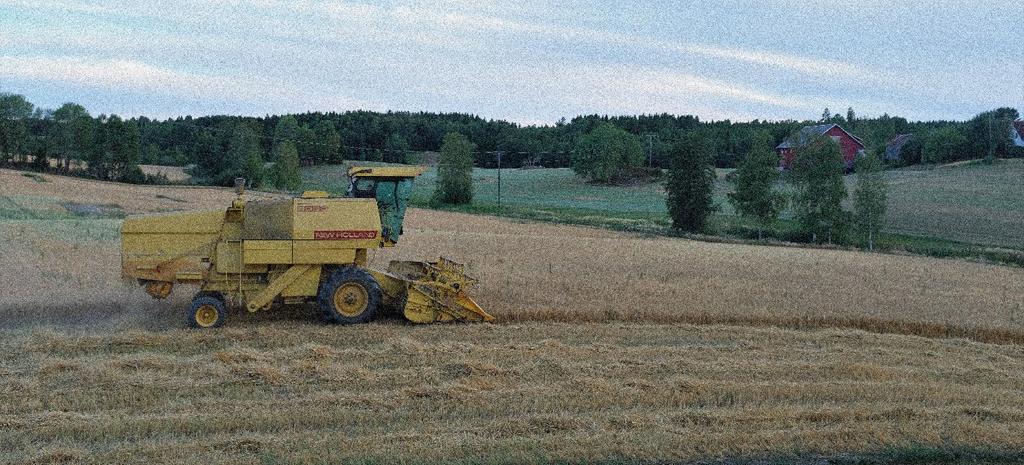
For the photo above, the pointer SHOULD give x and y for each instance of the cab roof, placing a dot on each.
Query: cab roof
(386, 171)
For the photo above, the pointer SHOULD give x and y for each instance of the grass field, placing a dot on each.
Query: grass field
(974, 204)
(609, 346)
(540, 188)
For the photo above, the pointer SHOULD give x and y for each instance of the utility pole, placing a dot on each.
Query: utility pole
(650, 150)
(991, 146)
(498, 153)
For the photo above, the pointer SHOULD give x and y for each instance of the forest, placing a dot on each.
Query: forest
(222, 146)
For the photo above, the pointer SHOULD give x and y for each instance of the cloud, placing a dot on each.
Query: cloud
(808, 66)
(135, 76)
(834, 69)
(121, 74)
(433, 23)
(531, 60)
(634, 90)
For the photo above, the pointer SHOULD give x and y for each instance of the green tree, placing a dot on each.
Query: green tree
(254, 171)
(911, 152)
(869, 198)
(42, 147)
(115, 153)
(208, 153)
(607, 154)
(14, 110)
(756, 177)
(124, 146)
(74, 133)
(308, 144)
(151, 154)
(98, 158)
(304, 141)
(395, 148)
(243, 151)
(690, 183)
(286, 173)
(944, 145)
(817, 177)
(455, 170)
(287, 129)
(988, 134)
(328, 146)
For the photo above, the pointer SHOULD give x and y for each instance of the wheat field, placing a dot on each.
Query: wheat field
(562, 273)
(609, 347)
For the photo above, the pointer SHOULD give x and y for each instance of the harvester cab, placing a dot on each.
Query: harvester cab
(312, 248)
(391, 187)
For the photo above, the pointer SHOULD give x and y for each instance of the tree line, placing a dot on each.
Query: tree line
(107, 145)
(222, 147)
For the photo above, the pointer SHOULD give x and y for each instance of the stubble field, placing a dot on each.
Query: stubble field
(609, 347)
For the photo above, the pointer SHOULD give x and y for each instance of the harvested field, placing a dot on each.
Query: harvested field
(387, 393)
(610, 346)
(174, 174)
(132, 198)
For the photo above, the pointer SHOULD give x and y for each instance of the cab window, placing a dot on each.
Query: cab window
(364, 188)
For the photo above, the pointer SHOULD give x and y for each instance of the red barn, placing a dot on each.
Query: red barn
(849, 145)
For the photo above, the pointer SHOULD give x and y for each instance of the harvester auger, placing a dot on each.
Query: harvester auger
(310, 248)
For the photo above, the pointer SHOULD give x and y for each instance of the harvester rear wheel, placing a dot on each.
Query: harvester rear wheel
(349, 295)
(207, 311)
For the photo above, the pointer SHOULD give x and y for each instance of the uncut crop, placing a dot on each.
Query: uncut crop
(562, 273)
(546, 272)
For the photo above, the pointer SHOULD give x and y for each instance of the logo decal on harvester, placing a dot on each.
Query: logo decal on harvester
(343, 235)
(313, 208)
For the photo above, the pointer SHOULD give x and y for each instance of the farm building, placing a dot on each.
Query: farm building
(894, 149)
(849, 145)
(1017, 133)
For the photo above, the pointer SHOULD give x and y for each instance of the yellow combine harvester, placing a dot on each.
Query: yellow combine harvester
(296, 250)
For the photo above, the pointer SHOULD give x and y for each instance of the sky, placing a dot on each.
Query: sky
(528, 61)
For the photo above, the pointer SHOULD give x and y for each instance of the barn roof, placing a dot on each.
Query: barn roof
(898, 141)
(1019, 126)
(806, 133)
(895, 146)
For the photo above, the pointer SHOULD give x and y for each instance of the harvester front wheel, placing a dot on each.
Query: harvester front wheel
(349, 295)
(206, 311)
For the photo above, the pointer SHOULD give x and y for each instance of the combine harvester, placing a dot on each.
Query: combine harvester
(298, 250)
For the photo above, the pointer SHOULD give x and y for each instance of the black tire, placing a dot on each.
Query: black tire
(207, 311)
(398, 306)
(359, 290)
